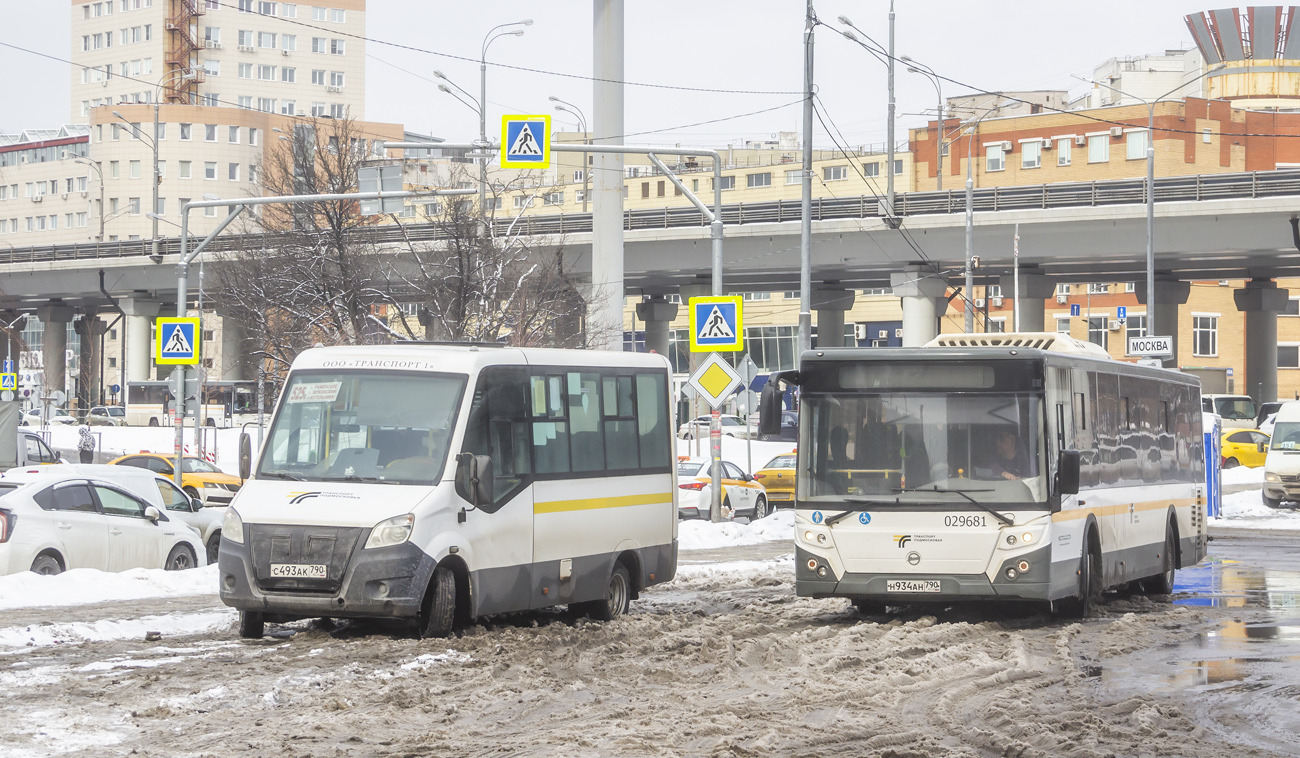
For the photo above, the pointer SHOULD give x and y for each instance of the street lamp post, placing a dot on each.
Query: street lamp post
(1151, 187)
(488, 39)
(586, 139)
(915, 67)
(99, 173)
(968, 305)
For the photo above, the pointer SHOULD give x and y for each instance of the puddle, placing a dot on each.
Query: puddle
(1232, 584)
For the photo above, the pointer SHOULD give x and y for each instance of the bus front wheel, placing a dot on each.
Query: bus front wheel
(440, 605)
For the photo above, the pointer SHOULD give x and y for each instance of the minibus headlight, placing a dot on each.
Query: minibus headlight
(394, 531)
(1271, 477)
(232, 527)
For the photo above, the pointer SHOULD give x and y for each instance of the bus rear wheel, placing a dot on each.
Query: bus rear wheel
(1163, 583)
(618, 596)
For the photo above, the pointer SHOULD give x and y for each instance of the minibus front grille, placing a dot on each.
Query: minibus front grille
(301, 547)
(1289, 478)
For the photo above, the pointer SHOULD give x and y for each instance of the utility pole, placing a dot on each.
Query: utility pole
(805, 222)
(889, 182)
(606, 317)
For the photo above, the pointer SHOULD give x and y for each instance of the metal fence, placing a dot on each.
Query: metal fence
(1042, 196)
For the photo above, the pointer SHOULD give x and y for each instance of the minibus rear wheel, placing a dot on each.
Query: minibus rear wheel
(617, 596)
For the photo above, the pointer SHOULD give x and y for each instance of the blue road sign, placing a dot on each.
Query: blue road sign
(8, 366)
(1121, 313)
(525, 141)
(8, 381)
(716, 324)
(177, 341)
(1074, 309)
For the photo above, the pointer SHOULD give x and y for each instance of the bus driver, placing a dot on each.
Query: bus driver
(1007, 460)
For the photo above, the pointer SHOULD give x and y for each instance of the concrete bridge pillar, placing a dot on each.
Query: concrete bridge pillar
(233, 345)
(54, 346)
(90, 387)
(657, 313)
(1261, 300)
(1035, 289)
(924, 296)
(138, 332)
(1162, 318)
(830, 305)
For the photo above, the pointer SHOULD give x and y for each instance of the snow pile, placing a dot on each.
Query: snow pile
(1243, 475)
(704, 535)
(41, 635)
(1246, 510)
(81, 586)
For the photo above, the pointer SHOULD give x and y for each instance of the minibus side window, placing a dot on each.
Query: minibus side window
(497, 426)
(620, 423)
(585, 435)
(550, 427)
(652, 420)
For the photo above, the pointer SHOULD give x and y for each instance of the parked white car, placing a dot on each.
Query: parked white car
(741, 493)
(732, 426)
(55, 518)
(57, 416)
(158, 491)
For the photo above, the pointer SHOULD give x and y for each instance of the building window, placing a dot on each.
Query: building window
(245, 38)
(1062, 289)
(210, 170)
(289, 75)
(336, 78)
(1063, 147)
(1098, 289)
(338, 15)
(996, 325)
(553, 198)
(1292, 306)
(835, 173)
(245, 71)
(318, 14)
(1205, 335)
(232, 172)
(1205, 136)
(253, 136)
(752, 296)
(871, 169)
(135, 169)
(794, 177)
(319, 44)
(266, 9)
(1097, 330)
(1099, 148)
(246, 101)
(185, 131)
(233, 135)
(1288, 356)
(209, 132)
(338, 110)
(1062, 324)
(1135, 326)
(898, 167)
(288, 10)
(993, 157)
(287, 108)
(289, 42)
(185, 169)
(266, 73)
(993, 290)
(266, 40)
(763, 179)
(1031, 154)
(336, 47)
(728, 183)
(1135, 145)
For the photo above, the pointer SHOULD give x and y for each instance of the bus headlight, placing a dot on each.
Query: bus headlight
(1271, 477)
(394, 531)
(816, 537)
(232, 527)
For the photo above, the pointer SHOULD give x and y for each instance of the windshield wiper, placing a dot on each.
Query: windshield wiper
(356, 478)
(845, 514)
(1000, 517)
(283, 475)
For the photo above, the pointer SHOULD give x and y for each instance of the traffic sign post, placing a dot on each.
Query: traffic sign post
(526, 141)
(1074, 309)
(717, 324)
(714, 381)
(1162, 347)
(1121, 314)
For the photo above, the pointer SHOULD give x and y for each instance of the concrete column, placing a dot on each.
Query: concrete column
(55, 316)
(232, 349)
(90, 387)
(605, 320)
(137, 332)
(1261, 300)
(1162, 318)
(830, 305)
(656, 313)
(924, 295)
(1035, 289)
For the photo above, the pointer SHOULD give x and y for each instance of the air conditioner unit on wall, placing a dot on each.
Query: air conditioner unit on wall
(38, 198)
(1006, 145)
(245, 48)
(1062, 299)
(859, 331)
(1048, 144)
(334, 89)
(979, 302)
(1080, 140)
(1113, 325)
(996, 302)
(1117, 131)
(284, 52)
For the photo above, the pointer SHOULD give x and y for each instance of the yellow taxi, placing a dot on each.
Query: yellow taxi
(1241, 447)
(777, 477)
(742, 495)
(198, 477)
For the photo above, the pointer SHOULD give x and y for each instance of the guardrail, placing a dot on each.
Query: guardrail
(1107, 192)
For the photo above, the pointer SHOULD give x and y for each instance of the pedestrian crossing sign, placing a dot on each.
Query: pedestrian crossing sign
(176, 341)
(716, 324)
(525, 141)
(8, 381)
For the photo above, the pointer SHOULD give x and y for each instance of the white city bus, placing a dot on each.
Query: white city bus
(1024, 467)
(225, 403)
(440, 483)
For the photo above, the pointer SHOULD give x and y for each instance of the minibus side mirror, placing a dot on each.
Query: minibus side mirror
(770, 403)
(1067, 473)
(476, 473)
(245, 456)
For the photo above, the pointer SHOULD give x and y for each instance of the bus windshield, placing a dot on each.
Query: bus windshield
(922, 447)
(380, 426)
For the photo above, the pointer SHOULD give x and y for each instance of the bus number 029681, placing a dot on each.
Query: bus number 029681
(965, 520)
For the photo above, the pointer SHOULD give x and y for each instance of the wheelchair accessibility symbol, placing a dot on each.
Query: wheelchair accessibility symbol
(865, 518)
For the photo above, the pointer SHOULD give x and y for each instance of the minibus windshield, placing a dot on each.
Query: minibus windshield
(365, 426)
(922, 447)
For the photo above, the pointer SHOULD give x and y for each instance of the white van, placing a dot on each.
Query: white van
(1282, 465)
(1237, 411)
(440, 483)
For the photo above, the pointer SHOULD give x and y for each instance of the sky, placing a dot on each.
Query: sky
(746, 54)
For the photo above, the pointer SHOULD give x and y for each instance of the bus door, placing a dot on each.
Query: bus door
(501, 532)
(1060, 421)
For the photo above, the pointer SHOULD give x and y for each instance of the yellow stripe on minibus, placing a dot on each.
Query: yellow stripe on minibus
(558, 506)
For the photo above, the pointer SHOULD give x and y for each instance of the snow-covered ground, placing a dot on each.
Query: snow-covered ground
(702, 535)
(1246, 509)
(84, 586)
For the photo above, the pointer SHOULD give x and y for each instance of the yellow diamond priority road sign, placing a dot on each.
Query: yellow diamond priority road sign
(715, 380)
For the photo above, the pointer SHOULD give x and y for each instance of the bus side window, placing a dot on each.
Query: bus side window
(497, 425)
(652, 420)
(620, 423)
(550, 427)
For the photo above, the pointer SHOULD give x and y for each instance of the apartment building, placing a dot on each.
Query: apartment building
(286, 58)
(44, 190)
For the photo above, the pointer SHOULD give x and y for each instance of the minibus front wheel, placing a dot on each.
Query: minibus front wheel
(439, 612)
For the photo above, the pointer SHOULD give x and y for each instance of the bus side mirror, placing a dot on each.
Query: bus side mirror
(1067, 473)
(769, 410)
(476, 473)
(245, 456)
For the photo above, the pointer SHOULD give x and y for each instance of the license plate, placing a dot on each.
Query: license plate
(301, 571)
(779, 496)
(912, 585)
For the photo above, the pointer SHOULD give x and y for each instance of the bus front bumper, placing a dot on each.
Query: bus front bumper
(380, 583)
(1031, 585)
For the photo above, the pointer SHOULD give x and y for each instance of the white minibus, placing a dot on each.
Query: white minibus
(1025, 467)
(439, 483)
